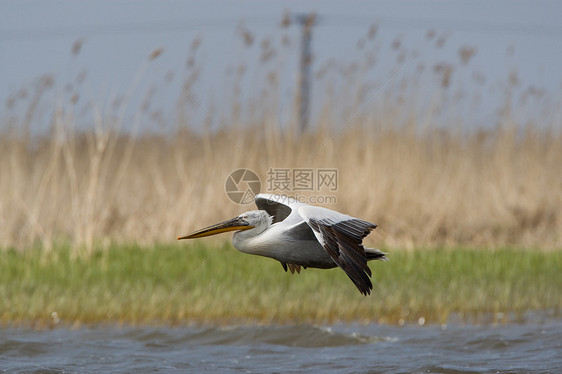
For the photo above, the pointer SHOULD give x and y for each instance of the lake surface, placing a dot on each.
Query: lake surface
(511, 348)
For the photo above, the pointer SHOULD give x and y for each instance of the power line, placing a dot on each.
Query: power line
(403, 23)
(479, 26)
(130, 28)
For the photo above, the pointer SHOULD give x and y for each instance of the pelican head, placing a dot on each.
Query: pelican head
(251, 223)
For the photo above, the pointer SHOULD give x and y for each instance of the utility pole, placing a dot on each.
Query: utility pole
(306, 21)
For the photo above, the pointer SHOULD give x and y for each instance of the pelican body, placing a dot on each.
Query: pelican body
(301, 235)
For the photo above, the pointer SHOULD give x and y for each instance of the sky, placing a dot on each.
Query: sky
(116, 37)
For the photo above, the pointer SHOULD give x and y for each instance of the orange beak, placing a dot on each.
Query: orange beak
(235, 224)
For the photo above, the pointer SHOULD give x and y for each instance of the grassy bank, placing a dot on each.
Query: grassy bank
(177, 284)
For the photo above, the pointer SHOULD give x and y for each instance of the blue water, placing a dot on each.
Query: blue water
(511, 348)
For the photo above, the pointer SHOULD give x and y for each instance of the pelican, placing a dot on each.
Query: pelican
(301, 235)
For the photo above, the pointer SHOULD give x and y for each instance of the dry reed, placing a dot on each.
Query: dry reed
(424, 185)
(490, 188)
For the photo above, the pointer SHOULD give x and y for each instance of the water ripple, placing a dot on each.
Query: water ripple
(515, 348)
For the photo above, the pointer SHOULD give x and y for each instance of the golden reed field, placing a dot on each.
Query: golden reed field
(491, 189)
(424, 185)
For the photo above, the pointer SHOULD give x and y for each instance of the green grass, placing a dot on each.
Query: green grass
(181, 284)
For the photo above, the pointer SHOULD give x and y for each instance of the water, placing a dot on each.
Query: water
(510, 348)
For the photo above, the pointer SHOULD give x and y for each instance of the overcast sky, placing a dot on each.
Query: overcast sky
(37, 37)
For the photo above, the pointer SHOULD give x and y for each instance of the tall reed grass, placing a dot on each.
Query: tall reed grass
(425, 185)
(491, 188)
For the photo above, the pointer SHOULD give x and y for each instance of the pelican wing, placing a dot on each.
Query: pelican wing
(280, 207)
(342, 235)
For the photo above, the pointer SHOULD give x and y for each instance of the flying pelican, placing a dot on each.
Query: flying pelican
(301, 235)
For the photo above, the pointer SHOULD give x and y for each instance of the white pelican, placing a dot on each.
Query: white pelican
(300, 235)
